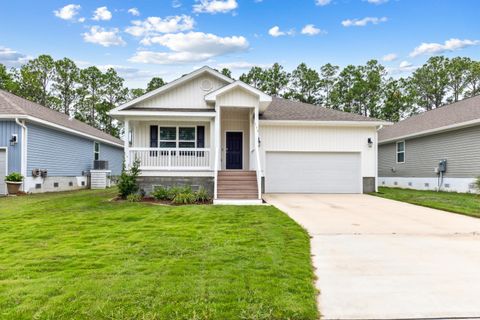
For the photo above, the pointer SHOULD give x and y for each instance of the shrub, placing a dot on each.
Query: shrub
(202, 195)
(161, 193)
(477, 184)
(14, 177)
(127, 182)
(184, 198)
(134, 197)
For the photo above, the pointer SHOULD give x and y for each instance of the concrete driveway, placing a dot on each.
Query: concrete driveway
(382, 259)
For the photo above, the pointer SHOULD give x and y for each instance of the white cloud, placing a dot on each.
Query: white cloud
(189, 47)
(12, 58)
(276, 32)
(68, 12)
(363, 22)
(403, 67)
(377, 1)
(311, 30)
(102, 13)
(156, 25)
(128, 73)
(390, 57)
(134, 12)
(103, 37)
(322, 2)
(449, 45)
(82, 19)
(215, 6)
(176, 3)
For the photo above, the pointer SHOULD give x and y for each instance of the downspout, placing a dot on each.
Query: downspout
(257, 153)
(23, 161)
(376, 156)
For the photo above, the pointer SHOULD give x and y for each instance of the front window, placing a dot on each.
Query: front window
(177, 137)
(401, 152)
(168, 137)
(96, 151)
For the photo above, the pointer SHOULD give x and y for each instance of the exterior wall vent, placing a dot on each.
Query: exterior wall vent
(70, 184)
(83, 183)
(409, 184)
(383, 182)
(447, 185)
(38, 186)
(395, 183)
(427, 184)
(55, 184)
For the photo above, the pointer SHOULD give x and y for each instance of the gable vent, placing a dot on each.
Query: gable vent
(206, 85)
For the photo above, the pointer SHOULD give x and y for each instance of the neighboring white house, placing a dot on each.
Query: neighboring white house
(205, 129)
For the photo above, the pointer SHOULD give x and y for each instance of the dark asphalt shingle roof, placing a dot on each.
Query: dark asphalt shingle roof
(171, 109)
(12, 104)
(455, 113)
(284, 109)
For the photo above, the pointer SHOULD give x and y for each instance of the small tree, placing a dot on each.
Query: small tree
(477, 184)
(127, 183)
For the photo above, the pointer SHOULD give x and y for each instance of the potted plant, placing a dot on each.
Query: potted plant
(14, 181)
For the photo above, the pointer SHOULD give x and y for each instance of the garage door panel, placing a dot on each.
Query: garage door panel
(312, 172)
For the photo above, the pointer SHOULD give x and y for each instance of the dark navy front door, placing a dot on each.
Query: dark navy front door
(234, 151)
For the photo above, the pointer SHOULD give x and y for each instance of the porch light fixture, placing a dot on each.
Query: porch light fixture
(370, 142)
(14, 140)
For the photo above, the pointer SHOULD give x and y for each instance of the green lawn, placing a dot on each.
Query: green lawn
(464, 203)
(79, 256)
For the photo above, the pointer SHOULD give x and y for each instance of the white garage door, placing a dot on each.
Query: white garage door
(312, 172)
(3, 173)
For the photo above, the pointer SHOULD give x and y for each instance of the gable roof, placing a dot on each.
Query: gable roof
(284, 109)
(173, 84)
(455, 115)
(13, 105)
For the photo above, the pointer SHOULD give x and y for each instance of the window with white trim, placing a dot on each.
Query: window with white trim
(400, 151)
(96, 151)
(177, 137)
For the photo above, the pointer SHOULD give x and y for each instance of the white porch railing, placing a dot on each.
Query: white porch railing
(171, 159)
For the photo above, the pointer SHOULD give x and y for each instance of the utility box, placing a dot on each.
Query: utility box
(442, 166)
(100, 179)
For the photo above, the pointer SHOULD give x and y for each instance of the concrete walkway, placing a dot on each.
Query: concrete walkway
(382, 259)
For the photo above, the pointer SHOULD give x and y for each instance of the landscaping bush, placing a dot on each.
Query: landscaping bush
(14, 177)
(185, 198)
(180, 194)
(127, 182)
(477, 184)
(202, 195)
(161, 193)
(134, 197)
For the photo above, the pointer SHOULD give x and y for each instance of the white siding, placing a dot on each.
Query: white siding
(141, 131)
(187, 95)
(320, 138)
(236, 119)
(237, 97)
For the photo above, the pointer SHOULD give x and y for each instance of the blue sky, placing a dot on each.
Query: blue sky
(168, 38)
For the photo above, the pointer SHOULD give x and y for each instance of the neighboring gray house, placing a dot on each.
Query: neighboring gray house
(52, 151)
(410, 151)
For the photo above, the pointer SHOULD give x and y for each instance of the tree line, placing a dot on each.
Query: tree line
(88, 94)
(368, 90)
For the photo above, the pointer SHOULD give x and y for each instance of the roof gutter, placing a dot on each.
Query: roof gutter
(433, 131)
(60, 127)
(324, 123)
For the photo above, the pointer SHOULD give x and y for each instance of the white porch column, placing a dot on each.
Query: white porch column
(218, 142)
(126, 145)
(257, 153)
(212, 143)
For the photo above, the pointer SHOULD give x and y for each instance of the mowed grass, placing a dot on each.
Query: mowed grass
(78, 256)
(464, 203)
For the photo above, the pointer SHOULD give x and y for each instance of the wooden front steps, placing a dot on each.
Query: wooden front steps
(237, 185)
